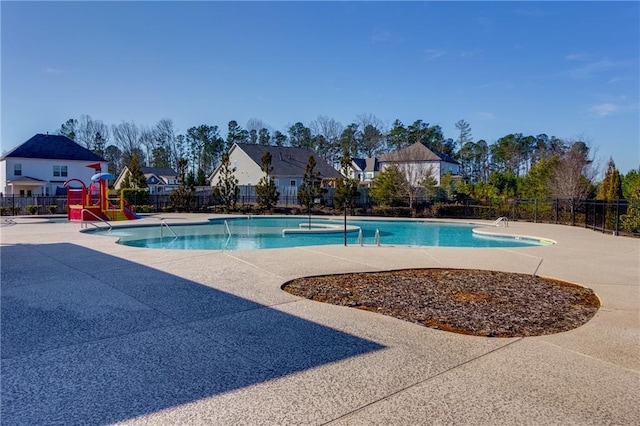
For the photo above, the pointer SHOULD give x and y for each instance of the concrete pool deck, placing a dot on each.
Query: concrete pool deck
(96, 332)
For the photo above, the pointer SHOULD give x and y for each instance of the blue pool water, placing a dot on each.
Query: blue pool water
(249, 233)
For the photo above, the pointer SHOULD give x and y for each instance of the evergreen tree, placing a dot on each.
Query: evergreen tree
(630, 221)
(266, 190)
(346, 195)
(611, 186)
(138, 180)
(631, 185)
(310, 189)
(227, 187)
(182, 197)
(386, 188)
(126, 181)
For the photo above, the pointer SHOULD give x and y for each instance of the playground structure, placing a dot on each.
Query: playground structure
(92, 203)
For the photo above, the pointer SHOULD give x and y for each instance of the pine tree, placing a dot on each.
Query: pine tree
(266, 190)
(227, 187)
(346, 194)
(138, 180)
(386, 188)
(310, 189)
(182, 197)
(611, 186)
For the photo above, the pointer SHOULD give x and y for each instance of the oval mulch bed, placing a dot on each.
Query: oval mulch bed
(481, 303)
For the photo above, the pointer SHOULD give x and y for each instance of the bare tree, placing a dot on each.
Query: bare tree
(92, 134)
(574, 173)
(255, 124)
(415, 163)
(330, 130)
(127, 138)
(164, 153)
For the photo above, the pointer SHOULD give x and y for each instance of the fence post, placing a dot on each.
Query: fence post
(555, 211)
(535, 210)
(615, 232)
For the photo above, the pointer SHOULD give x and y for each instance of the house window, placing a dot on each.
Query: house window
(17, 169)
(292, 183)
(59, 171)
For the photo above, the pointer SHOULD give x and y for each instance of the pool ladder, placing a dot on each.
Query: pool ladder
(84, 223)
(502, 219)
(165, 224)
(226, 243)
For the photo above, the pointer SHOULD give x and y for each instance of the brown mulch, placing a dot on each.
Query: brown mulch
(476, 302)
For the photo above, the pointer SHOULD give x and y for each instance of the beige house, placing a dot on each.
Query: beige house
(288, 166)
(417, 161)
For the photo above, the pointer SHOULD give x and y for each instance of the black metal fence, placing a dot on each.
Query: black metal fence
(619, 217)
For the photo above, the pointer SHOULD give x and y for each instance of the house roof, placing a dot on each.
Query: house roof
(370, 164)
(158, 171)
(417, 152)
(289, 161)
(54, 147)
(26, 180)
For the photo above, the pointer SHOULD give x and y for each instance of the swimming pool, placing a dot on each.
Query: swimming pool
(266, 232)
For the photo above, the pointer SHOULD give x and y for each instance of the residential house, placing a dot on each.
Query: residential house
(364, 170)
(418, 161)
(42, 165)
(288, 164)
(160, 180)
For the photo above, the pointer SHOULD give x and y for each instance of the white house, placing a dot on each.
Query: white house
(288, 164)
(41, 165)
(364, 170)
(418, 161)
(160, 180)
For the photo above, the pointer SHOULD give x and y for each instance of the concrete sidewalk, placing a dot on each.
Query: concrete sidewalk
(95, 332)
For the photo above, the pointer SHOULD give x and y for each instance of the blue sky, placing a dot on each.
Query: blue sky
(567, 69)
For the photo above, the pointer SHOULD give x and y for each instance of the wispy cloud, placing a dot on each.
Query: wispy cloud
(484, 115)
(533, 13)
(613, 80)
(469, 53)
(606, 109)
(50, 70)
(591, 68)
(379, 36)
(506, 84)
(577, 56)
(431, 54)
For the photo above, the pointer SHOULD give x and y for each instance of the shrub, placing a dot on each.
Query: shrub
(33, 209)
(135, 196)
(52, 209)
(387, 211)
(143, 208)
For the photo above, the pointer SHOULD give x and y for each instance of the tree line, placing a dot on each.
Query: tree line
(515, 165)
